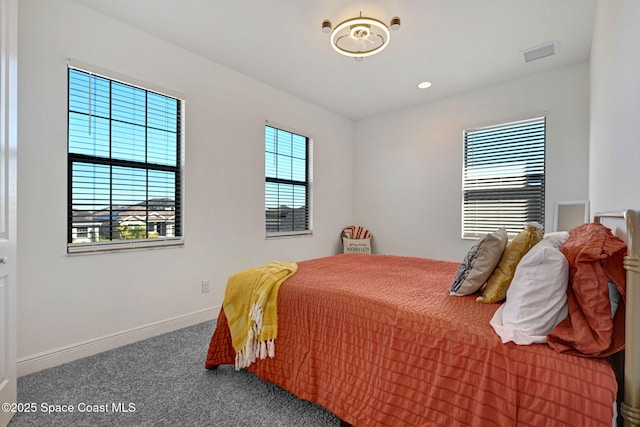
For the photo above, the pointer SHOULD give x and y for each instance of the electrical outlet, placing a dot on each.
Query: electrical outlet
(205, 286)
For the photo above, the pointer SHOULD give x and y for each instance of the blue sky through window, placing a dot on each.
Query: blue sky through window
(112, 121)
(285, 160)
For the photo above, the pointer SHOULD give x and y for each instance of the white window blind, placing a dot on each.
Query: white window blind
(124, 165)
(287, 183)
(503, 177)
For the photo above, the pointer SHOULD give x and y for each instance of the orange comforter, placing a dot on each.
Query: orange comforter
(378, 341)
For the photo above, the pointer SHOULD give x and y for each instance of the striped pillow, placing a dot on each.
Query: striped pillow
(356, 232)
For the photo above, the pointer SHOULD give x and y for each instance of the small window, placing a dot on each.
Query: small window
(287, 183)
(503, 177)
(124, 165)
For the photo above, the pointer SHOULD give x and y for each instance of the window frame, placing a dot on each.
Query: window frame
(307, 183)
(531, 179)
(178, 171)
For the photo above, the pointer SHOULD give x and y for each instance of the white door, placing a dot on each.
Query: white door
(8, 190)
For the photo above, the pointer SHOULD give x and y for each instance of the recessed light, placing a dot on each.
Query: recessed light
(424, 85)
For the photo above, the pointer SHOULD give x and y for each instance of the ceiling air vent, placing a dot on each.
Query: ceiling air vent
(540, 52)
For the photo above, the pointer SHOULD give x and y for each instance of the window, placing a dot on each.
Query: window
(503, 177)
(287, 183)
(124, 165)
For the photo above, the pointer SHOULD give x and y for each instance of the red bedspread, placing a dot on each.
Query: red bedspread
(378, 341)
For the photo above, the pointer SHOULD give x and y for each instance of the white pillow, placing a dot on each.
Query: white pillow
(560, 236)
(356, 246)
(537, 298)
(479, 263)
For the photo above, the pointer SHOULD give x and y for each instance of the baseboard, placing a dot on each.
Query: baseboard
(48, 359)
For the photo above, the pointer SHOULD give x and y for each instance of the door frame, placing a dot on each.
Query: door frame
(8, 204)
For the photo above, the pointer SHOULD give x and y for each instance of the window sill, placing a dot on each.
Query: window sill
(308, 233)
(110, 247)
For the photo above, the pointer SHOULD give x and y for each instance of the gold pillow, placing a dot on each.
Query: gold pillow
(500, 279)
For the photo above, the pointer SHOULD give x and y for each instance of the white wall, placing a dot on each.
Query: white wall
(65, 300)
(408, 176)
(614, 169)
(405, 186)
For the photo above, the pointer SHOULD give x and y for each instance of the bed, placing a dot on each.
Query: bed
(378, 341)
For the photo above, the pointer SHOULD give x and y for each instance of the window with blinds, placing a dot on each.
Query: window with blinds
(124, 165)
(503, 177)
(287, 183)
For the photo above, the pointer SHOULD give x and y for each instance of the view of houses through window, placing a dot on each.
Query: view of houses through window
(124, 151)
(143, 221)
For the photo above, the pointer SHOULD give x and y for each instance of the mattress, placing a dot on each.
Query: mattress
(378, 341)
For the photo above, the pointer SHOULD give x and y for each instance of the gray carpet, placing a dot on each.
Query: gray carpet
(162, 382)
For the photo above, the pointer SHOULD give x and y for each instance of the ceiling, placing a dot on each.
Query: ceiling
(458, 45)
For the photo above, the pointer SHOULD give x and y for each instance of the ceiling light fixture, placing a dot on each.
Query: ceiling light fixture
(360, 37)
(424, 85)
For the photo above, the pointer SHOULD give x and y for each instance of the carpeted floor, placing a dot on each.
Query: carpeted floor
(159, 382)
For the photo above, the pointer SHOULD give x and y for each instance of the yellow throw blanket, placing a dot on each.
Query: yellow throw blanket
(250, 304)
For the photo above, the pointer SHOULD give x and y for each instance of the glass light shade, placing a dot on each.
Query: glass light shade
(360, 37)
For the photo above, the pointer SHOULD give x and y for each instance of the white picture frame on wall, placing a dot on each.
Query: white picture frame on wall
(570, 214)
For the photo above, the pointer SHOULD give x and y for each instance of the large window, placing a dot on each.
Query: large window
(124, 165)
(287, 183)
(503, 177)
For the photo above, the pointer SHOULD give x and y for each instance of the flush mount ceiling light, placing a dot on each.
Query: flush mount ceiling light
(360, 37)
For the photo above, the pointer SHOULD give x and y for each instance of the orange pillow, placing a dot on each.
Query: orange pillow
(500, 279)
